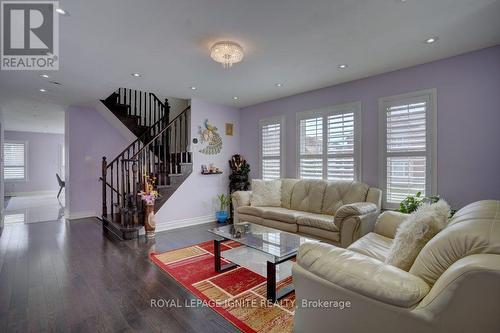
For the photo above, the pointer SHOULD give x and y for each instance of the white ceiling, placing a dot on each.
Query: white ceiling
(296, 42)
(32, 116)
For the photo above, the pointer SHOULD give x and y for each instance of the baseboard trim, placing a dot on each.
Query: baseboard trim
(176, 224)
(80, 215)
(27, 194)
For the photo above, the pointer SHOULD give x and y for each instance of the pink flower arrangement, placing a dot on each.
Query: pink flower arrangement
(149, 195)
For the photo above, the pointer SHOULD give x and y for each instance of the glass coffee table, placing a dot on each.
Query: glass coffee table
(265, 251)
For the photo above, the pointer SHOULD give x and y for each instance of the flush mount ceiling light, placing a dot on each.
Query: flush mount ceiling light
(235, 98)
(226, 53)
(136, 74)
(193, 88)
(279, 85)
(343, 66)
(42, 90)
(45, 76)
(431, 40)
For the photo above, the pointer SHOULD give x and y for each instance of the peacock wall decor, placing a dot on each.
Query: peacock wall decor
(208, 134)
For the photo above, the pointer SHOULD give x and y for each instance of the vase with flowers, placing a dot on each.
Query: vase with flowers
(149, 195)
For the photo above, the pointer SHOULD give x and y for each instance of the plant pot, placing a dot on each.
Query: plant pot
(221, 216)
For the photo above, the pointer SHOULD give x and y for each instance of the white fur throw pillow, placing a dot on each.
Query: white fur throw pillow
(266, 193)
(415, 231)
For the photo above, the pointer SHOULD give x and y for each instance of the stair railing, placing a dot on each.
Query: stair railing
(157, 152)
(145, 105)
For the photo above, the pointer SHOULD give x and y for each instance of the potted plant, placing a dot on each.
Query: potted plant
(412, 202)
(222, 215)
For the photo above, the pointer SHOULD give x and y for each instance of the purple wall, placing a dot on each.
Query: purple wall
(89, 137)
(468, 93)
(195, 201)
(43, 162)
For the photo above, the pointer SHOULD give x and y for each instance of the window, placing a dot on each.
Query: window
(330, 143)
(14, 161)
(272, 148)
(408, 139)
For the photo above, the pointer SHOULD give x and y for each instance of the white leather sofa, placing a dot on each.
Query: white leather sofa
(453, 285)
(338, 212)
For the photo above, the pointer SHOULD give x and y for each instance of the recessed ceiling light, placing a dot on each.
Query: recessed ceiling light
(193, 88)
(45, 76)
(136, 74)
(235, 98)
(279, 84)
(431, 40)
(61, 11)
(42, 90)
(343, 66)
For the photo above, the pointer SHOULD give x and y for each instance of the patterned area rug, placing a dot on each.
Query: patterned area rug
(239, 295)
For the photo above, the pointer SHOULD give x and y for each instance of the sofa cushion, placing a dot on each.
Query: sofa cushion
(474, 229)
(307, 195)
(287, 186)
(281, 214)
(319, 221)
(415, 231)
(250, 210)
(339, 193)
(266, 193)
(372, 245)
(321, 234)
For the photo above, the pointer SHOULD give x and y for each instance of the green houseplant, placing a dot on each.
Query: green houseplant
(221, 215)
(412, 202)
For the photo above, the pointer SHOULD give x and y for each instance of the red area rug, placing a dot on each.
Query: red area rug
(239, 295)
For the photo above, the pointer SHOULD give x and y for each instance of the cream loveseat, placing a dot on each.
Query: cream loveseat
(338, 212)
(453, 285)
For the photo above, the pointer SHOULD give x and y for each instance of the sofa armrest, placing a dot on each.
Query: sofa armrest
(362, 274)
(354, 209)
(239, 199)
(388, 223)
(355, 220)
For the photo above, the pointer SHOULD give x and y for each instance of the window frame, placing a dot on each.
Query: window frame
(355, 108)
(11, 180)
(272, 121)
(431, 141)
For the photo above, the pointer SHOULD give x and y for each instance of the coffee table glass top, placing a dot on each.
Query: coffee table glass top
(279, 244)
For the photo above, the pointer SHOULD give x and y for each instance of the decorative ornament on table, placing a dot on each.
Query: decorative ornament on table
(149, 195)
(209, 134)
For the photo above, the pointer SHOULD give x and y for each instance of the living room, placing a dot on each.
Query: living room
(253, 167)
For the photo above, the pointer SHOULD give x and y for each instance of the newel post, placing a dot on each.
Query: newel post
(104, 179)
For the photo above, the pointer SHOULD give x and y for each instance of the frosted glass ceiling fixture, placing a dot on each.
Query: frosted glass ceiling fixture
(226, 53)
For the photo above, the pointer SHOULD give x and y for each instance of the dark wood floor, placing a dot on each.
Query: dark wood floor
(66, 276)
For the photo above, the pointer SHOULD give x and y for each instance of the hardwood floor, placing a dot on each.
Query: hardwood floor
(63, 276)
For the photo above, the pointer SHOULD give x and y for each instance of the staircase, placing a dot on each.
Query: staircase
(160, 150)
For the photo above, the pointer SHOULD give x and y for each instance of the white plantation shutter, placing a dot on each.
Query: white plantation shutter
(311, 148)
(408, 127)
(14, 161)
(341, 141)
(329, 142)
(271, 148)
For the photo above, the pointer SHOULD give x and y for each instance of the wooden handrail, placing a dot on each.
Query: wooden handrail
(134, 157)
(143, 135)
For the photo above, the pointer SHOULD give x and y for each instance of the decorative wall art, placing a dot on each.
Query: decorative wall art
(229, 129)
(209, 134)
